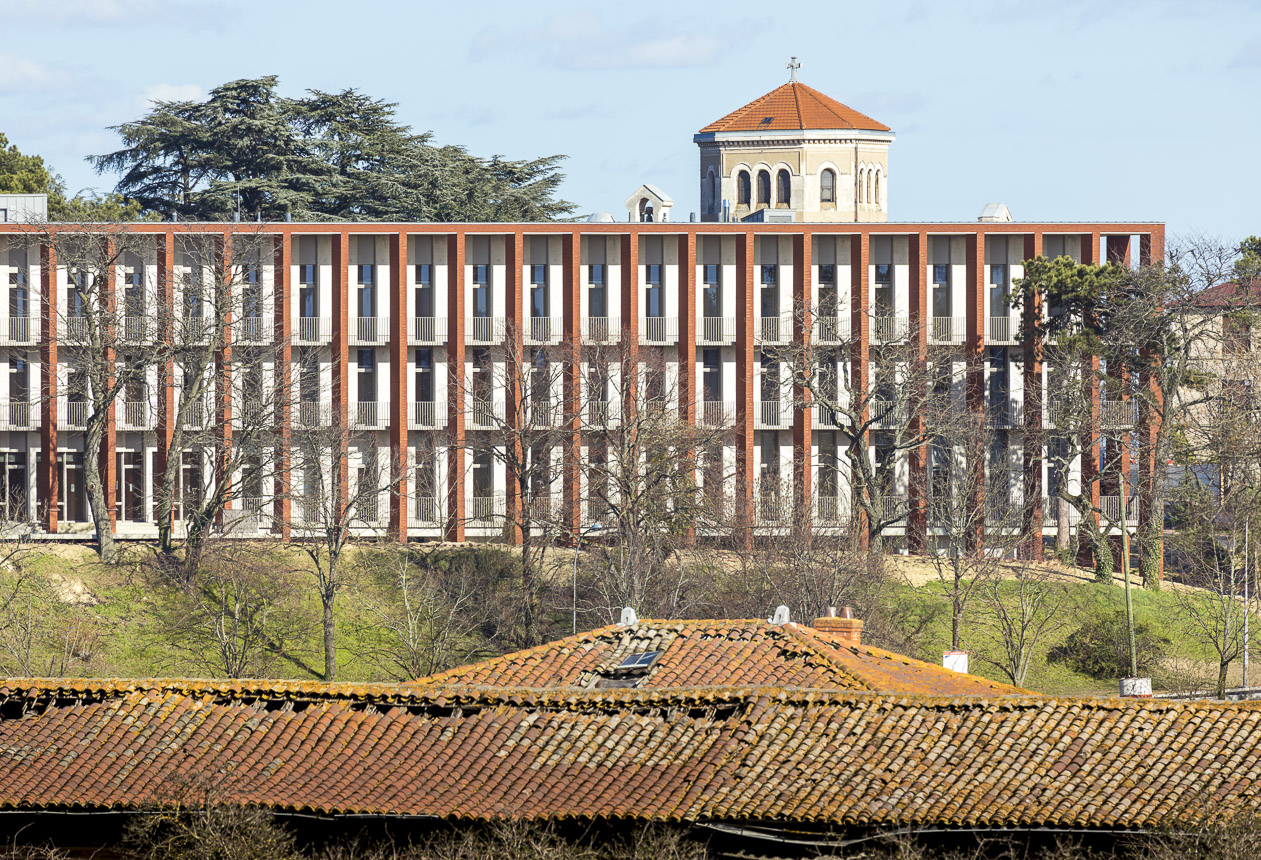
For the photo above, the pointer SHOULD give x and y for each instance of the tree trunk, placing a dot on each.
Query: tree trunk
(1063, 526)
(96, 491)
(529, 597)
(330, 637)
(956, 623)
(1221, 679)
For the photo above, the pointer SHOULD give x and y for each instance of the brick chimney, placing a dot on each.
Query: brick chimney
(845, 627)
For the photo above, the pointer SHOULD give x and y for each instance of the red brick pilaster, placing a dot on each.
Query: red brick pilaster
(920, 320)
(166, 370)
(282, 302)
(803, 415)
(518, 365)
(571, 297)
(1090, 441)
(457, 398)
(1032, 450)
(629, 262)
(400, 401)
(746, 379)
(48, 480)
(340, 352)
(1119, 250)
(687, 350)
(109, 330)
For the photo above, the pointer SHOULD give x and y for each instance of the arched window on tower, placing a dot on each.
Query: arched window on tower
(876, 199)
(784, 190)
(827, 186)
(862, 185)
(764, 188)
(870, 177)
(744, 191)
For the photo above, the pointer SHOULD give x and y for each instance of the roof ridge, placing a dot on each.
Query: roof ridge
(429, 680)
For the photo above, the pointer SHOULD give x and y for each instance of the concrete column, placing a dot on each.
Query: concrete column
(921, 319)
(109, 441)
(282, 286)
(571, 295)
(400, 399)
(48, 481)
(1034, 438)
(803, 415)
(457, 398)
(166, 371)
(746, 406)
(518, 366)
(340, 349)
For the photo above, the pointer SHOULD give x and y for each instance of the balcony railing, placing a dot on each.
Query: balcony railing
(426, 512)
(313, 413)
(601, 329)
(428, 330)
(370, 331)
(894, 508)
(1110, 511)
(253, 329)
(1051, 513)
(831, 329)
(1007, 414)
(428, 415)
(73, 414)
(774, 330)
(658, 330)
(19, 415)
(485, 511)
(601, 413)
(256, 514)
(1001, 331)
(717, 413)
(312, 329)
(888, 328)
(134, 415)
(20, 331)
(195, 330)
(484, 330)
(948, 330)
(372, 415)
(885, 414)
(544, 330)
(484, 417)
(773, 415)
(827, 417)
(542, 413)
(716, 330)
(828, 508)
(773, 507)
(76, 329)
(196, 414)
(1117, 414)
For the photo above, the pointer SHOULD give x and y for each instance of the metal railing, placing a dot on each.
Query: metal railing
(1000, 330)
(773, 414)
(1051, 514)
(19, 415)
(313, 413)
(831, 329)
(658, 330)
(888, 328)
(483, 414)
(76, 329)
(601, 329)
(428, 330)
(371, 330)
(1005, 414)
(543, 412)
(426, 511)
(828, 508)
(20, 330)
(542, 330)
(717, 413)
(485, 510)
(1110, 511)
(253, 329)
(195, 330)
(1118, 413)
(372, 414)
(195, 414)
(894, 508)
(312, 329)
(716, 330)
(771, 507)
(885, 414)
(825, 416)
(484, 330)
(601, 413)
(774, 330)
(259, 510)
(948, 330)
(134, 415)
(73, 414)
(428, 415)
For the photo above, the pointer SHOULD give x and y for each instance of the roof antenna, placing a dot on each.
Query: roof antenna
(629, 618)
(780, 617)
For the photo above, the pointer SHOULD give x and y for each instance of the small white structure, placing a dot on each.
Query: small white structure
(955, 661)
(23, 208)
(599, 218)
(649, 203)
(995, 213)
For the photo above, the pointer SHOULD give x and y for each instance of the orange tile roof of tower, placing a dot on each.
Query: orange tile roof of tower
(794, 106)
(707, 653)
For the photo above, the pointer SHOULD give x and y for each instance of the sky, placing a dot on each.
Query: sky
(1065, 111)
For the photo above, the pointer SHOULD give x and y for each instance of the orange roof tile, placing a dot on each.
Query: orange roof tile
(794, 106)
(720, 653)
(726, 754)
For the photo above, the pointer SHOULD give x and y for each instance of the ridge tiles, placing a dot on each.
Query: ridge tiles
(791, 107)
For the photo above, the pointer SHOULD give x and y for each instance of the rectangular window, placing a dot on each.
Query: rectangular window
(366, 364)
(884, 289)
(308, 290)
(481, 291)
(424, 290)
(655, 298)
(712, 297)
(712, 375)
(770, 290)
(538, 291)
(367, 292)
(483, 473)
(424, 376)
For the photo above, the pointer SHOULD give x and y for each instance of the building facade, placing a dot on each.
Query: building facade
(389, 330)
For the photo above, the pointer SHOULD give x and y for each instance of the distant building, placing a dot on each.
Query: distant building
(23, 208)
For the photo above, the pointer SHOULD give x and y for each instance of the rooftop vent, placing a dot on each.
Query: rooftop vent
(995, 213)
(629, 618)
(780, 617)
(842, 625)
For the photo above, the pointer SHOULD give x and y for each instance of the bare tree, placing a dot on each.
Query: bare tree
(336, 502)
(1021, 610)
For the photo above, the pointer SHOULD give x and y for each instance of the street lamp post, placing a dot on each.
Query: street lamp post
(595, 527)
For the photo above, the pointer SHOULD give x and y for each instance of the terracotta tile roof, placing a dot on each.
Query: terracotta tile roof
(791, 107)
(727, 754)
(720, 653)
(1229, 294)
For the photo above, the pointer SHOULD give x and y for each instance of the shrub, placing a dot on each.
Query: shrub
(1100, 647)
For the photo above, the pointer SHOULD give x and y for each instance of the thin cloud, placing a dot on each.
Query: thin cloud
(23, 75)
(170, 93)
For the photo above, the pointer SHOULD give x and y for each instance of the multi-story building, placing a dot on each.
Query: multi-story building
(402, 332)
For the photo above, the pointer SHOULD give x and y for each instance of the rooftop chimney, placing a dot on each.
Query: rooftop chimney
(844, 626)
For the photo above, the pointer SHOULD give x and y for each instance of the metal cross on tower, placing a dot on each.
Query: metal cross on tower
(792, 68)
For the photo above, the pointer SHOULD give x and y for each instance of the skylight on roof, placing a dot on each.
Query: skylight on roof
(767, 120)
(638, 662)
